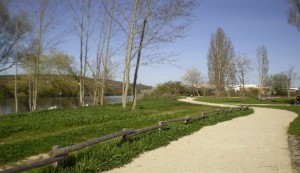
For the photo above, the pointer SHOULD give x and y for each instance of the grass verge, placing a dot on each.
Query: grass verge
(238, 100)
(27, 134)
(294, 127)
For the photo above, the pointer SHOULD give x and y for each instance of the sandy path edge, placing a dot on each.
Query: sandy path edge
(255, 143)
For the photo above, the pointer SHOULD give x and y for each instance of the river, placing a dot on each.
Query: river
(7, 105)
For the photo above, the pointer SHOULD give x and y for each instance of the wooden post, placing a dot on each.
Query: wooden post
(55, 147)
(145, 129)
(34, 164)
(187, 119)
(161, 123)
(68, 149)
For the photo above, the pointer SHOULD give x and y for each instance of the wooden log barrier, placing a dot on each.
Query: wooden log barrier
(175, 120)
(34, 164)
(212, 112)
(187, 119)
(203, 116)
(146, 129)
(62, 151)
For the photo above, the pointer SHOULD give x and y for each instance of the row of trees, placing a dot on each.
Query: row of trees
(227, 69)
(139, 27)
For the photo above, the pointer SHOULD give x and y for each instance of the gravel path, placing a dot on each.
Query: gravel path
(255, 143)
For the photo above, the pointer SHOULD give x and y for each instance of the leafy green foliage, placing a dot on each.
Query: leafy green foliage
(50, 85)
(28, 134)
(170, 88)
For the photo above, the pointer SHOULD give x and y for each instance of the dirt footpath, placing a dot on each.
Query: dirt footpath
(255, 143)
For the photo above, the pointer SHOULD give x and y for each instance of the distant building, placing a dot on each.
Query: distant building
(294, 89)
(237, 87)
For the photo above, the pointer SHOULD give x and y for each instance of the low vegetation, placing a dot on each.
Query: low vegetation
(247, 100)
(28, 134)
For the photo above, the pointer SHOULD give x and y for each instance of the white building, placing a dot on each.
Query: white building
(237, 87)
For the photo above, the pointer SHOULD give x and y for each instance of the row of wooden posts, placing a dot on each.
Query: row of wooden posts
(57, 153)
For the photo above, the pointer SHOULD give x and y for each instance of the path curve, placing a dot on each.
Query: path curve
(254, 143)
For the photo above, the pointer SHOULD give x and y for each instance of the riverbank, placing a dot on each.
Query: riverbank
(29, 134)
(7, 105)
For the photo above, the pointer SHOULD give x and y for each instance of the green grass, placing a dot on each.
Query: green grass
(238, 100)
(28, 134)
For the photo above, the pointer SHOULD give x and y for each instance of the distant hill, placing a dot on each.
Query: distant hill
(52, 85)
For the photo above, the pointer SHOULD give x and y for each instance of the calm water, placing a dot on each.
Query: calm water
(7, 106)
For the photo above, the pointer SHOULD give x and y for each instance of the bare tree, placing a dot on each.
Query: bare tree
(45, 15)
(262, 67)
(163, 23)
(220, 58)
(139, 55)
(106, 59)
(230, 77)
(12, 30)
(97, 73)
(126, 77)
(294, 13)
(81, 11)
(243, 67)
(193, 78)
(291, 76)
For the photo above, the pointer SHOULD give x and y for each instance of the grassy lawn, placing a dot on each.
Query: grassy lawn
(28, 134)
(238, 100)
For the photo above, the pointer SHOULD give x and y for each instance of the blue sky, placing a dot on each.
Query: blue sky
(248, 24)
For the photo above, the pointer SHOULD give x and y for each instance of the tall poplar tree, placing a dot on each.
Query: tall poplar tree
(262, 68)
(219, 61)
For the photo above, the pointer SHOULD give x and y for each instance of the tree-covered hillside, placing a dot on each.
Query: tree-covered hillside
(53, 85)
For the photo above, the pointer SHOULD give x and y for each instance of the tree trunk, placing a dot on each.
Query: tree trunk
(128, 56)
(86, 49)
(98, 69)
(29, 94)
(106, 60)
(81, 84)
(139, 57)
(16, 89)
(288, 89)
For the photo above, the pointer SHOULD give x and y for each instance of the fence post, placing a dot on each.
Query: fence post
(124, 136)
(161, 123)
(187, 119)
(54, 147)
